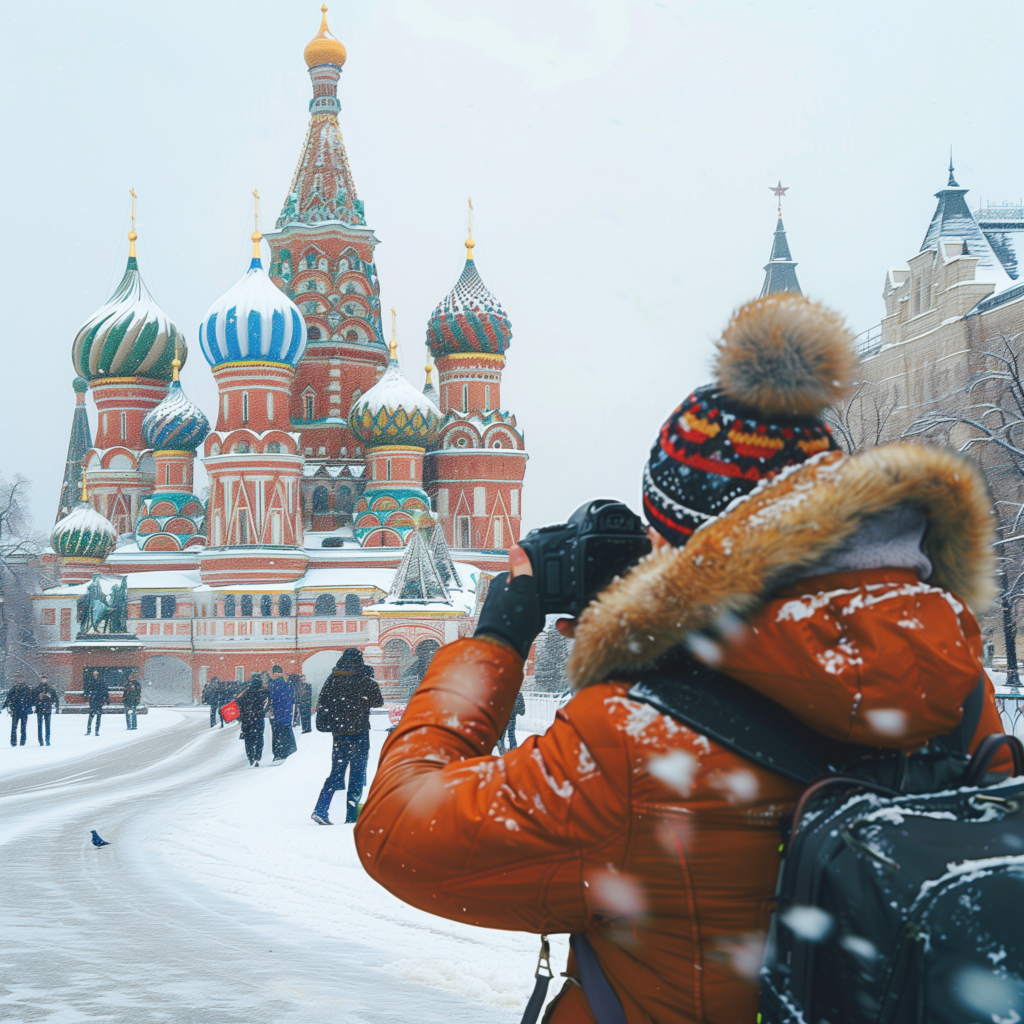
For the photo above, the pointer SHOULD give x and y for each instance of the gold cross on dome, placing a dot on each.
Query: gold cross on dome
(131, 234)
(393, 345)
(256, 193)
(778, 191)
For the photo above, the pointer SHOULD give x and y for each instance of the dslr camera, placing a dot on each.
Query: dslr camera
(574, 561)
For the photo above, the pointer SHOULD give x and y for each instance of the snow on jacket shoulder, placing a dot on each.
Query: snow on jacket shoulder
(622, 823)
(346, 699)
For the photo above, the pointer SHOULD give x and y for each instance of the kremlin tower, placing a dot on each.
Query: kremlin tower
(253, 338)
(397, 424)
(323, 260)
(124, 351)
(475, 475)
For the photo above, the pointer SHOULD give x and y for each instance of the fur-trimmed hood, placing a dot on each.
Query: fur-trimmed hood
(729, 567)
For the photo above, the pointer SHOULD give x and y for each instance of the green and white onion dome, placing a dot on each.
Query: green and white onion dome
(84, 533)
(128, 336)
(394, 412)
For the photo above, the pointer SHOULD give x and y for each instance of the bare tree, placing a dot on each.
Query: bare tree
(21, 575)
(986, 420)
(862, 420)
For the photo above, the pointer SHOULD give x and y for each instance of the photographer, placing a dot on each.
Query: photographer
(829, 589)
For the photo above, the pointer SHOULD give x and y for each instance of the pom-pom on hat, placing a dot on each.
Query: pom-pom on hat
(781, 361)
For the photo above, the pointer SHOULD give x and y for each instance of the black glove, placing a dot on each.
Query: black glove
(512, 612)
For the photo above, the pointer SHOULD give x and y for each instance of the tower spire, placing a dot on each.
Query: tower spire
(952, 183)
(256, 236)
(131, 234)
(780, 270)
(79, 444)
(469, 241)
(393, 344)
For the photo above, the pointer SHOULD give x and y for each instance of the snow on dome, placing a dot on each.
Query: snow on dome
(469, 318)
(128, 336)
(394, 412)
(253, 322)
(84, 533)
(176, 424)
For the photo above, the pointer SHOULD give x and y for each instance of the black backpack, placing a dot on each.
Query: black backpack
(901, 889)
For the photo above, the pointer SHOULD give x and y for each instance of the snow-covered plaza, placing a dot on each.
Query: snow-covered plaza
(218, 900)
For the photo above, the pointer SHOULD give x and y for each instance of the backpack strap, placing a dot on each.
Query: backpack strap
(604, 1003)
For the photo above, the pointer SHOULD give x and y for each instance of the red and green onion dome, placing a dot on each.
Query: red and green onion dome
(84, 533)
(469, 318)
(129, 335)
(394, 412)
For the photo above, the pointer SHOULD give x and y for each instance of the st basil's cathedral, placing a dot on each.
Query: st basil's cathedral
(345, 507)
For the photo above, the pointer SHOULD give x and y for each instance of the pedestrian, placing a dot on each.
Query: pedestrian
(19, 703)
(282, 706)
(97, 693)
(839, 586)
(212, 696)
(46, 699)
(130, 697)
(343, 709)
(507, 740)
(303, 701)
(252, 707)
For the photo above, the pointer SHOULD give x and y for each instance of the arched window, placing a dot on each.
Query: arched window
(270, 405)
(124, 426)
(398, 671)
(325, 605)
(148, 607)
(353, 606)
(389, 469)
(309, 408)
(245, 406)
(465, 398)
(247, 604)
(313, 333)
(425, 652)
(284, 605)
(321, 501)
(266, 605)
(229, 606)
(168, 606)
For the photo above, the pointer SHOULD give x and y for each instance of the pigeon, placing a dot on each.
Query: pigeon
(96, 841)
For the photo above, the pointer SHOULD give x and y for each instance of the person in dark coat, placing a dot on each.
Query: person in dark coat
(212, 693)
(282, 706)
(130, 697)
(344, 710)
(46, 699)
(97, 692)
(303, 700)
(19, 703)
(507, 740)
(252, 707)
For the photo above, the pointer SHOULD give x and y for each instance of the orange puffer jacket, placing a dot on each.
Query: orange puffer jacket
(622, 823)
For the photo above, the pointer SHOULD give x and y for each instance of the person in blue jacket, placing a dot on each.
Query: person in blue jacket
(282, 707)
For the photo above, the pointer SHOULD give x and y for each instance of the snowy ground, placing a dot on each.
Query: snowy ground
(218, 900)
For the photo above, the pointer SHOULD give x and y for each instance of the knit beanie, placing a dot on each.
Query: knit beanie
(780, 363)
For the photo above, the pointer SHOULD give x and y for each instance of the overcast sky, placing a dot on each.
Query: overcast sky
(619, 154)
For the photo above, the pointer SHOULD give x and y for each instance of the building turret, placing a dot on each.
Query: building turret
(475, 474)
(82, 540)
(397, 424)
(253, 337)
(323, 259)
(780, 270)
(124, 350)
(172, 517)
(78, 446)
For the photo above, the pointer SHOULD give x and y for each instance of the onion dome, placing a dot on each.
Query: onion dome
(323, 48)
(84, 533)
(253, 322)
(80, 385)
(469, 318)
(394, 412)
(129, 335)
(176, 424)
(428, 389)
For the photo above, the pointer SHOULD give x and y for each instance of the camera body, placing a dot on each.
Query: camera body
(574, 561)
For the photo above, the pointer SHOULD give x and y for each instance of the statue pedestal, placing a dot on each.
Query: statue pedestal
(116, 655)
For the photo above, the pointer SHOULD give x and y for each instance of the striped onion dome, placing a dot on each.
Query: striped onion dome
(84, 533)
(394, 412)
(176, 424)
(253, 322)
(469, 318)
(128, 336)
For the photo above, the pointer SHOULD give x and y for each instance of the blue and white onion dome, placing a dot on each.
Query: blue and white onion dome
(253, 322)
(176, 424)
(84, 533)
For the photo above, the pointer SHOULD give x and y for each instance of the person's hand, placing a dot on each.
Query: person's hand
(512, 609)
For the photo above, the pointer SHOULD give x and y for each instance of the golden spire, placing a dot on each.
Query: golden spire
(469, 241)
(256, 236)
(393, 345)
(429, 370)
(131, 234)
(324, 47)
(175, 362)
